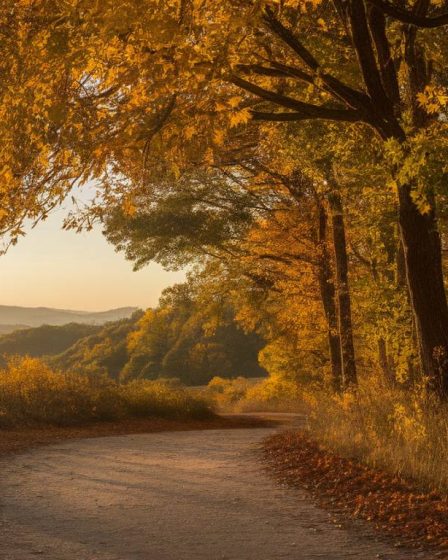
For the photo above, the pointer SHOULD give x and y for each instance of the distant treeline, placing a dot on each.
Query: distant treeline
(44, 340)
(187, 337)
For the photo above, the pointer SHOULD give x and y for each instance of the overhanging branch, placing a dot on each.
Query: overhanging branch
(302, 110)
(411, 18)
(322, 113)
(350, 96)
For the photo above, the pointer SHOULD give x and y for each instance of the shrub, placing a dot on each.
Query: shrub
(244, 395)
(32, 392)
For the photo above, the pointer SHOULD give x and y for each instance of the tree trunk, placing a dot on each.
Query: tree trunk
(423, 258)
(349, 375)
(385, 362)
(327, 291)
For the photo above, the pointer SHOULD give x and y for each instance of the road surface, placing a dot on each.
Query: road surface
(199, 495)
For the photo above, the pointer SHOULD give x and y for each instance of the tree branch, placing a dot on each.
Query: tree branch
(366, 56)
(388, 72)
(324, 114)
(303, 110)
(411, 18)
(277, 70)
(352, 97)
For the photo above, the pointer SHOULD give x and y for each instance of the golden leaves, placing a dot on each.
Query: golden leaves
(433, 98)
(239, 117)
(219, 136)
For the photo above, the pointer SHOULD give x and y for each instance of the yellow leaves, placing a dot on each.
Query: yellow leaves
(129, 208)
(240, 117)
(220, 107)
(433, 98)
(234, 101)
(176, 171)
(322, 24)
(421, 201)
(218, 137)
(302, 4)
(209, 157)
(189, 132)
(6, 175)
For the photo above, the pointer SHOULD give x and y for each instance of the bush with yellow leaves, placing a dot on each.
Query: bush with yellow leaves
(273, 394)
(32, 392)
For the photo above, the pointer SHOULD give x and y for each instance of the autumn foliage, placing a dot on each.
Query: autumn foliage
(32, 393)
(292, 154)
(346, 486)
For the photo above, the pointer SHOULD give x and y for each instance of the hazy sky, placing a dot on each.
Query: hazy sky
(55, 268)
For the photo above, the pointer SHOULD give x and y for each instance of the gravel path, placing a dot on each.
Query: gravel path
(199, 495)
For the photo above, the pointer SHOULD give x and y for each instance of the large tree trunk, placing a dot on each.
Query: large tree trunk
(423, 258)
(327, 291)
(349, 375)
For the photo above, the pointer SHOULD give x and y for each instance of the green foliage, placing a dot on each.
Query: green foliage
(32, 392)
(44, 340)
(176, 222)
(187, 337)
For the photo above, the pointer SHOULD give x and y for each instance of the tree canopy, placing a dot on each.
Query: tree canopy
(196, 120)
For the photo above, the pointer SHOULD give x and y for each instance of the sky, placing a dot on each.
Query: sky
(50, 267)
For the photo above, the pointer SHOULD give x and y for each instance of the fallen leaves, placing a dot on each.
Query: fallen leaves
(396, 506)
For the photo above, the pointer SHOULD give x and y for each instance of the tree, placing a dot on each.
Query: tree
(191, 336)
(385, 98)
(162, 86)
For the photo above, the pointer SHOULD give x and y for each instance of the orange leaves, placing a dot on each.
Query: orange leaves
(393, 504)
(433, 99)
(239, 117)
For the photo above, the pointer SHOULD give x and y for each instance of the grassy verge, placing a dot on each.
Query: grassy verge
(40, 406)
(32, 393)
(401, 431)
(379, 453)
(253, 395)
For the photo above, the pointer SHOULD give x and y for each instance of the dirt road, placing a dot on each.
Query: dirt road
(199, 495)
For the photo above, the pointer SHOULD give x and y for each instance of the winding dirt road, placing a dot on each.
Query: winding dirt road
(199, 495)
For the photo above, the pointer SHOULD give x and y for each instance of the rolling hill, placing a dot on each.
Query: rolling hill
(44, 340)
(14, 317)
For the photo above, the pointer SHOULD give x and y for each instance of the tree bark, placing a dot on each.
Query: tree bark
(327, 291)
(385, 362)
(349, 375)
(424, 273)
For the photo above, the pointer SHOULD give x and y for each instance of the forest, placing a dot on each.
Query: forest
(292, 154)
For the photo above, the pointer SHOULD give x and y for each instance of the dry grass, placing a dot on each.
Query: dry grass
(401, 431)
(350, 488)
(33, 393)
(247, 395)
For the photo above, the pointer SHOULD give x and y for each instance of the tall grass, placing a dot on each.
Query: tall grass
(402, 431)
(272, 394)
(32, 392)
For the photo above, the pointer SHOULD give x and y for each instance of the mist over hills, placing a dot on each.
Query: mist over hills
(15, 317)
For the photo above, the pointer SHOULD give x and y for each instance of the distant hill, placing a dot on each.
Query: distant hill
(102, 352)
(37, 316)
(44, 340)
(6, 329)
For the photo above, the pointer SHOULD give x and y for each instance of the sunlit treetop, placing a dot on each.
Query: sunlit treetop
(127, 91)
